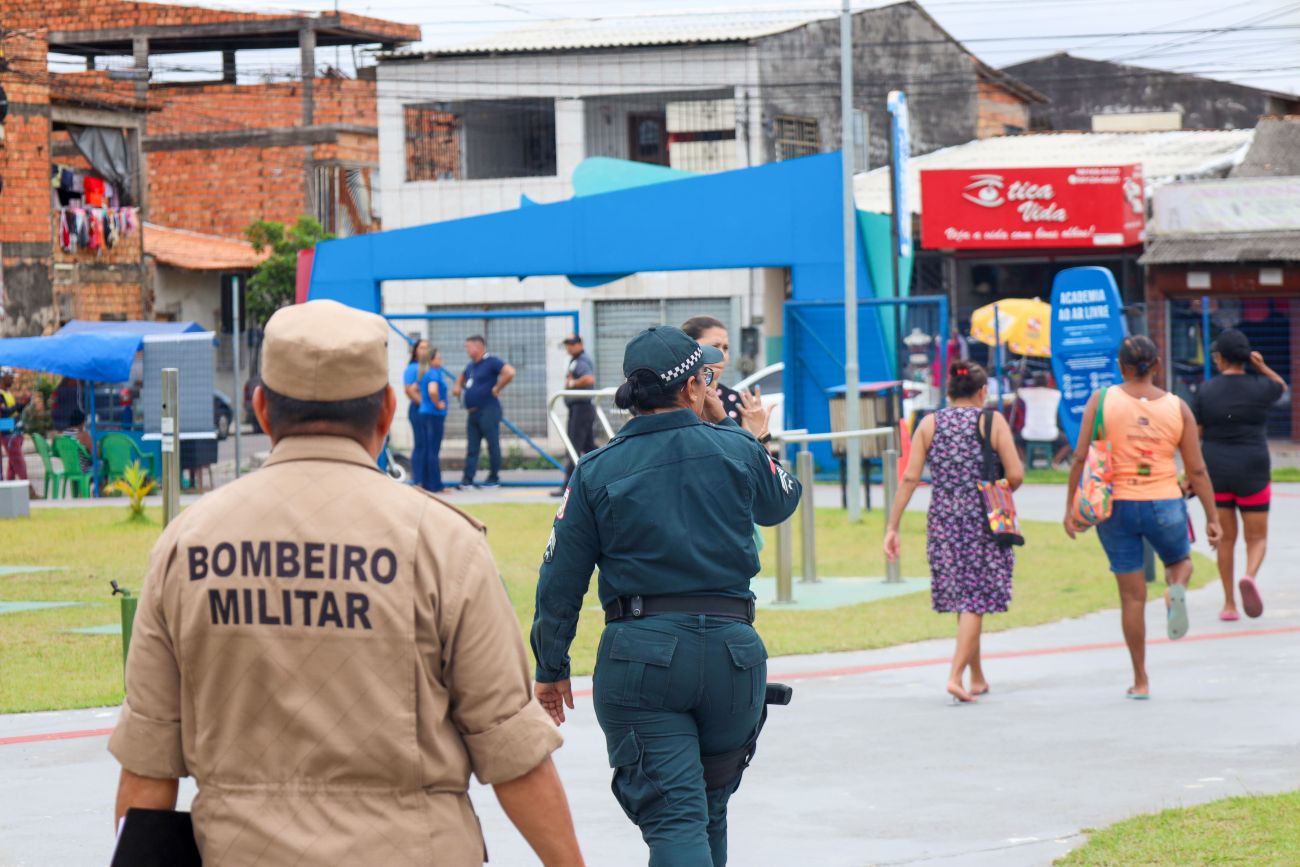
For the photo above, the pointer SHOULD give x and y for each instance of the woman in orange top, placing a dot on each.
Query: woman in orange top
(1146, 425)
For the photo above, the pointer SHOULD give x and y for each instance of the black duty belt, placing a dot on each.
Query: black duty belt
(634, 607)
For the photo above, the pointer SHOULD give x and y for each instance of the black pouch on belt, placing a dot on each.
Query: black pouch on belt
(722, 770)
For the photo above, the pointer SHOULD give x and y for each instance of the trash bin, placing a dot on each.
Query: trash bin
(128, 620)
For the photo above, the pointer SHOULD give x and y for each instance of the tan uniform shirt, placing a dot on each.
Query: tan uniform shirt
(329, 654)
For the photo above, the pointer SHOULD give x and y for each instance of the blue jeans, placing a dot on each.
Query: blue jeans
(417, 449)
(429, 470)
(483, 423)
(1163, 523)
(668, 690)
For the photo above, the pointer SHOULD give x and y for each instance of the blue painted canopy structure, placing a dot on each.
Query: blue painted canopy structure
(628, 218)
(141, 327)
(784, 214)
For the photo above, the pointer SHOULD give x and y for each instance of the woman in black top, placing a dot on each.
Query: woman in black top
(1232, 409)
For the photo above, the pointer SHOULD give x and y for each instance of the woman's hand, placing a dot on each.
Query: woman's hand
(554, 697)
(714, 411)
(1258, 361)
(753, 416)
(1071, 529)
(892, 545)
(1213, 532)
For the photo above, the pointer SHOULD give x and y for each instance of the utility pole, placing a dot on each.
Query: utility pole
(852, 405)
(238, 397)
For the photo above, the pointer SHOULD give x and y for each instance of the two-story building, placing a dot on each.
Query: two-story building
(478, 128)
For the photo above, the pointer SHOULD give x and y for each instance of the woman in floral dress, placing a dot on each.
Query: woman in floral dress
(970, 572)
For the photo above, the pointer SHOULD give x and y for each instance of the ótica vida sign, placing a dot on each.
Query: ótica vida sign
(990, 209)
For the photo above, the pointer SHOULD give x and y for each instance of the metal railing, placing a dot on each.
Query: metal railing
(803, 470)
(595, 394)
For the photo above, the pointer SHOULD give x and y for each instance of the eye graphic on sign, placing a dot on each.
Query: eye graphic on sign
(985, 190)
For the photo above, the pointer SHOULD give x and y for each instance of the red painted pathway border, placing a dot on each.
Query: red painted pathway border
(817, 674)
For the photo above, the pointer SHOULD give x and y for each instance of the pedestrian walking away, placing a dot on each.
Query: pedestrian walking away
(481, 384)
(970, 569)
(581, 374)
(1145, 426)
(330, 654)
(11, 438)
(665, 510)
(1232, 410)
(433, 417)
(411, 386)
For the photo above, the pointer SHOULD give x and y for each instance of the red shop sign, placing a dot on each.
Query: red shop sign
(983, 209)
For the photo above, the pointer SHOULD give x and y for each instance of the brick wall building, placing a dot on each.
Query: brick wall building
(211, 157)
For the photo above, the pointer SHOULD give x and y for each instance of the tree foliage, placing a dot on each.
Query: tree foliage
(272, 285)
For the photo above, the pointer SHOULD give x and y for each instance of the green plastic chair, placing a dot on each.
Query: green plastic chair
(69, 452)
(119, 451)
(52, 478)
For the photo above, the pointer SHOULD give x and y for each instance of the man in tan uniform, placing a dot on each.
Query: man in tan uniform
(329, 653)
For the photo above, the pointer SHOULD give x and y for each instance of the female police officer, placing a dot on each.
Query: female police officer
(666, 510)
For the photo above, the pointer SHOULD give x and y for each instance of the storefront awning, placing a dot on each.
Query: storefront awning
(1230, 248)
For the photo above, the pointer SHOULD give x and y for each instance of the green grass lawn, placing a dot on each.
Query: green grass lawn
(43, 668)
(1041, 476)
(1259, 832)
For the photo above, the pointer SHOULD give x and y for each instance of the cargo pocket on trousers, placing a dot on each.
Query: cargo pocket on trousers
(638, 668)
(635, 792)
(749, 682)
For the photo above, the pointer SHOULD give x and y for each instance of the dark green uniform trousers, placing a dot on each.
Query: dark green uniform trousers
(669, 689)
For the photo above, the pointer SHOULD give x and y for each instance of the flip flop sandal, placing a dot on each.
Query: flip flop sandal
(1229, 616)
(1177, 623)
(1251, 602)
(1137, 696)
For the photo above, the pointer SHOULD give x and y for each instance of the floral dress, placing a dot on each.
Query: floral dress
(969, 570)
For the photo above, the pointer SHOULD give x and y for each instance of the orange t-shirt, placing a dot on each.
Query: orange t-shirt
(1143, 434)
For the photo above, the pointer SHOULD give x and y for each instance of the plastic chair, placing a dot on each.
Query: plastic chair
(119, 451)
(1040, 432)
(70, 452)
(52, 478)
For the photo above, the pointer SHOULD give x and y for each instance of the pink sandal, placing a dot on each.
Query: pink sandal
(1229, 616)
(1251, 602)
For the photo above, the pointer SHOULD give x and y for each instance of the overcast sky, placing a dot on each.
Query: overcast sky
(1255, 42)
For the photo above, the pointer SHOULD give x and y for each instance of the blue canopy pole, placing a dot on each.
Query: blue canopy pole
(94, 444)
(1205, 337)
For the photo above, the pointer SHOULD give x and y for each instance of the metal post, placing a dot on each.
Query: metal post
(890, 480)
(1205, 338)
(852, 408)
(784, 556)
(807, 516)
(238, 396)
(171, 452)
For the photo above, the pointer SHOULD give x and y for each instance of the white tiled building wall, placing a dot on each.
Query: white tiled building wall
(567, 78)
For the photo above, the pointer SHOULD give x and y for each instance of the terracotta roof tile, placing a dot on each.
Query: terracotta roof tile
(195, 251)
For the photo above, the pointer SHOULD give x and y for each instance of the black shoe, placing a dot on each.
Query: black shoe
(558, 492)
(492, 483)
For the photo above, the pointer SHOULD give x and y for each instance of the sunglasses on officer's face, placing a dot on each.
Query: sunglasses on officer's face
(707, 374)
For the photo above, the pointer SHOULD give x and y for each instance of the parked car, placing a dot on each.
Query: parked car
(117, 408)
(770, 382)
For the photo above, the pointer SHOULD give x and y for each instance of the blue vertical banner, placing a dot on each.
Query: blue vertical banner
(899, 131)
(1087, 329)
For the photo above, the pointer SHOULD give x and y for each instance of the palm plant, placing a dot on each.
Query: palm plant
(136, 485)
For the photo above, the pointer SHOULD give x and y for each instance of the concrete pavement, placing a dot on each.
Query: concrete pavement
(870, 764)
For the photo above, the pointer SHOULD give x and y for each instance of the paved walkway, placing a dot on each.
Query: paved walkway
(870, 764)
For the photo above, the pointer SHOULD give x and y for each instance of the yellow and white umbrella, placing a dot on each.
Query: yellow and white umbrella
(1024, 325)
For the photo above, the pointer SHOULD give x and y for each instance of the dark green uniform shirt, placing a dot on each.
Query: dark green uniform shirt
(668, 507)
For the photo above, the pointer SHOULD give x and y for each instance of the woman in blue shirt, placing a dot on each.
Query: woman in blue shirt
(411, 385)
(433, 416)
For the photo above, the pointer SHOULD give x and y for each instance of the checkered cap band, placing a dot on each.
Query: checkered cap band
(684, 368)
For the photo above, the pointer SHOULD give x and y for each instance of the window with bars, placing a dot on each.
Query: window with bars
(480, 139)
(432, 144)
(796, 137)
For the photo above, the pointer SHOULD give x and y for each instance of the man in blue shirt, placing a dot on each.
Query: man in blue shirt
(481, 383)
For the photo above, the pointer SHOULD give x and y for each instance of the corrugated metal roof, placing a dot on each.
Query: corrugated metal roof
(1164, 156)
(1235, 247)
(626, 31)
